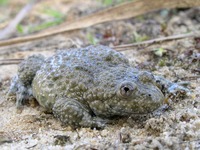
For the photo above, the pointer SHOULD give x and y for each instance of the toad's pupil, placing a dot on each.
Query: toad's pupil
(126, 89)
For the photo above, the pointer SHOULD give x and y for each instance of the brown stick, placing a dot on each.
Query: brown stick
(123, 11)
(169, 38)
(190, 77)
(10, 61)
(6, 60)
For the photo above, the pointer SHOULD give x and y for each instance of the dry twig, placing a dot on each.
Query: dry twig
(10, 61)
(169, 38)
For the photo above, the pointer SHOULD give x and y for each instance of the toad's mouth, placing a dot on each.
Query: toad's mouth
(126, 112)
(133, 106)
(123, 112)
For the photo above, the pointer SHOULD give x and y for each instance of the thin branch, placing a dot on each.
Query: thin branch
(153, 41)
(10, 61)
(190, 77)
(6, 60)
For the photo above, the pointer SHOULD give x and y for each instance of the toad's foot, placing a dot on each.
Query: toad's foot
(23, 93)
(171, 89)
(176, 89)
(73, 113)
(21, 83)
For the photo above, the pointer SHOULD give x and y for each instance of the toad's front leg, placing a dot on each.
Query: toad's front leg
(170, 88)
(73, 113)
(23, 92)
(167, 87)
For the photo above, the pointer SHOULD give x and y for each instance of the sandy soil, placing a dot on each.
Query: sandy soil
(176, 128)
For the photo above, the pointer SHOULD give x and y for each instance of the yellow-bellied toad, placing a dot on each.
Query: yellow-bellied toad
(82, 87)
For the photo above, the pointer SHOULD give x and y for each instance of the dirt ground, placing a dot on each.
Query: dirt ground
(178, 60)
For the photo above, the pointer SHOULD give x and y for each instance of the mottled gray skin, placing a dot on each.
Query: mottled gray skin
(86, 86)
(21, 83)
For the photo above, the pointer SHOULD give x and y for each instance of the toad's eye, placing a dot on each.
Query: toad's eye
(127, 88)
(146, 77)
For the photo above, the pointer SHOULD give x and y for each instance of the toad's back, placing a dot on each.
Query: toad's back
(74, 73)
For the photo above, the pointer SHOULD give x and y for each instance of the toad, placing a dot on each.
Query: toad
(84, 87)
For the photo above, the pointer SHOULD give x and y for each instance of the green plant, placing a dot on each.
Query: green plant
(92, 39)
(20, 28)
(111, 2)
(107, 2)
(4, 2)
(162, 63)
(44, 25)
(139, 38)
(56, 18)
(159, 51)
(53, 13)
